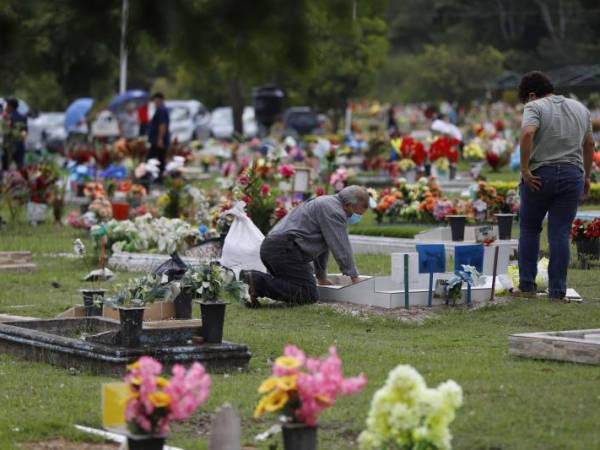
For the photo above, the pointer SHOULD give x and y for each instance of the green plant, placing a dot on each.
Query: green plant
(144, 291)
(210, 281)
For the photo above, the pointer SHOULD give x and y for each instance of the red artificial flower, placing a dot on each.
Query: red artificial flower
(493, 159)
(244, 180)
(319, 191)
(265, 189)
(280, 212)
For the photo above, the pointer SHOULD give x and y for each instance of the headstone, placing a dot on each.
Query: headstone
(397, 269)
(226, 430)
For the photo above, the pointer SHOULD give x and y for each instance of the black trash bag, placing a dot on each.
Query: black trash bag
(174, 268)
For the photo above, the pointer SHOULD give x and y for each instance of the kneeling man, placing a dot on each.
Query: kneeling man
(303, 239)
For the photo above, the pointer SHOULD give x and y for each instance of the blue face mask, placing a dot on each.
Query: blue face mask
(354, 218)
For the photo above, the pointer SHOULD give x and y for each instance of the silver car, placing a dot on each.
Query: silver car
(48, 128)
(189, 120)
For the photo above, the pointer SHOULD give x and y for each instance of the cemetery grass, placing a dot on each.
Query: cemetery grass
(510, 403)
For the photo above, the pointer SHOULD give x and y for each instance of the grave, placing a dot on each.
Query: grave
(580, 346)
(16, 262)
(389, 291)
(93, 344)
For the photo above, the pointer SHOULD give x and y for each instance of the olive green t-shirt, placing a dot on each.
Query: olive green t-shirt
(561, 126)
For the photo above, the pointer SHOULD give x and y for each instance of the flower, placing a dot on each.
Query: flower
(305, 386)
(287, 170)
(155, 401)
(405, 413)
(265, 189)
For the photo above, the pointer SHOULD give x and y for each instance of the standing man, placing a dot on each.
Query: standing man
(15, 132)
(556, 161)
(158, 134)
(307, 235)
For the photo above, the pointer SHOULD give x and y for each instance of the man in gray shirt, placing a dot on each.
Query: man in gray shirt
(304, 238)
(557, 150)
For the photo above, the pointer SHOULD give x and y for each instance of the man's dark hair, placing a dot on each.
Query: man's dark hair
(536, 82)
(13, 102)
(158, 95)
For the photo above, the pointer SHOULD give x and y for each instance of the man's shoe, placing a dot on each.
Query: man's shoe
(246, 277)
(522, 294)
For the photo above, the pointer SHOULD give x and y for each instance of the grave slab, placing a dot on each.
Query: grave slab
(91, 344)
(16, 262)
(579, 346)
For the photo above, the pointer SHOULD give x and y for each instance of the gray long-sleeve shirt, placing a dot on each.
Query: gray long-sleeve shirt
(320, 226)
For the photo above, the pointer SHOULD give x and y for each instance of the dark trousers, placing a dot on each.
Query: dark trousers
(290, 278)
(161, 155)
(559, 195)
(17, 155)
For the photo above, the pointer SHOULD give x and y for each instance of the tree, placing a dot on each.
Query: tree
(449, 73)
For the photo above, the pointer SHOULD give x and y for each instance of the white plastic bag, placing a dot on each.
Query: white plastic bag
(241, 249)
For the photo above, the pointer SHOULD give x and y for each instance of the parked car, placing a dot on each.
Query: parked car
(46, 130)
(189, 120)
(105, 125)
(221, 124)
(301, 120)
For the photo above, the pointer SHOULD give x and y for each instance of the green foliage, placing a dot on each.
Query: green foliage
(445, 72)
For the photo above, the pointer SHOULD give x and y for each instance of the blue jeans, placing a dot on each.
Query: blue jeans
(559, 195)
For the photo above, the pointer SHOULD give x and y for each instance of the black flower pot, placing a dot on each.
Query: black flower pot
(91, 309)
(80, 190)
(457, 227)
(589, 247)
(299, 436)
(505, 222)
(142, 442)
(213, 318)
(132, 320)
(428, 169)
(183, 304)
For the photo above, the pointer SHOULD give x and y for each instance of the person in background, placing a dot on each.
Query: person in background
(128, 122)
(556, 161)
(158, 133)
(143, 119)
(303, 240)
(15, 132)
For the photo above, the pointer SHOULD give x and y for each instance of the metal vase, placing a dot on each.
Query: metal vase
(213, 319)
(299, 436)
(143, 442)
(132, 320)
(505, 222)
(457, 227)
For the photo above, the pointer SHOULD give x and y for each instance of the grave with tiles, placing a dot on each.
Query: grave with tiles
(417, 278)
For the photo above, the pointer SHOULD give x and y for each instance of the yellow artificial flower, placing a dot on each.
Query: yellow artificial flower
(287, 383)
(288, 362)
(160, 399)
(276, 400)
(135, 365)
(162, 382)
(136, 381)
(268, 385)
(260, 408)
(324, 400)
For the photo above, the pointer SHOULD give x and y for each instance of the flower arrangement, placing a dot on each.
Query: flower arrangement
(155, 401)
(15, 193)
(339, 179)
(444, 147)
(409, 148)
(147, 233)
(406, 164)
(210, 281)
(144, 291)
(287, 171)
(301, 387)
(473, 151)
(582, 230)
(468, 275)
(406, 414)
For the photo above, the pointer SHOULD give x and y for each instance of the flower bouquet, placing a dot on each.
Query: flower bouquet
(155, 401)
(406, 414)
(586, 236)
(208, 283)
(300, 388)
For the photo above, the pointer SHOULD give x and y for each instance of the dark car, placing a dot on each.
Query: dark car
(301, 120)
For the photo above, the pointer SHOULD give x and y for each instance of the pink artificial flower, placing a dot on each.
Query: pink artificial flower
(244, 180)
(265, 189)
(287, 170)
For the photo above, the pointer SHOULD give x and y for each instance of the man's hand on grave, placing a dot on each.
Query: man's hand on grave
(325, 282)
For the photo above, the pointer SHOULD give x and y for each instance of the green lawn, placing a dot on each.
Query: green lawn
(510, 403)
